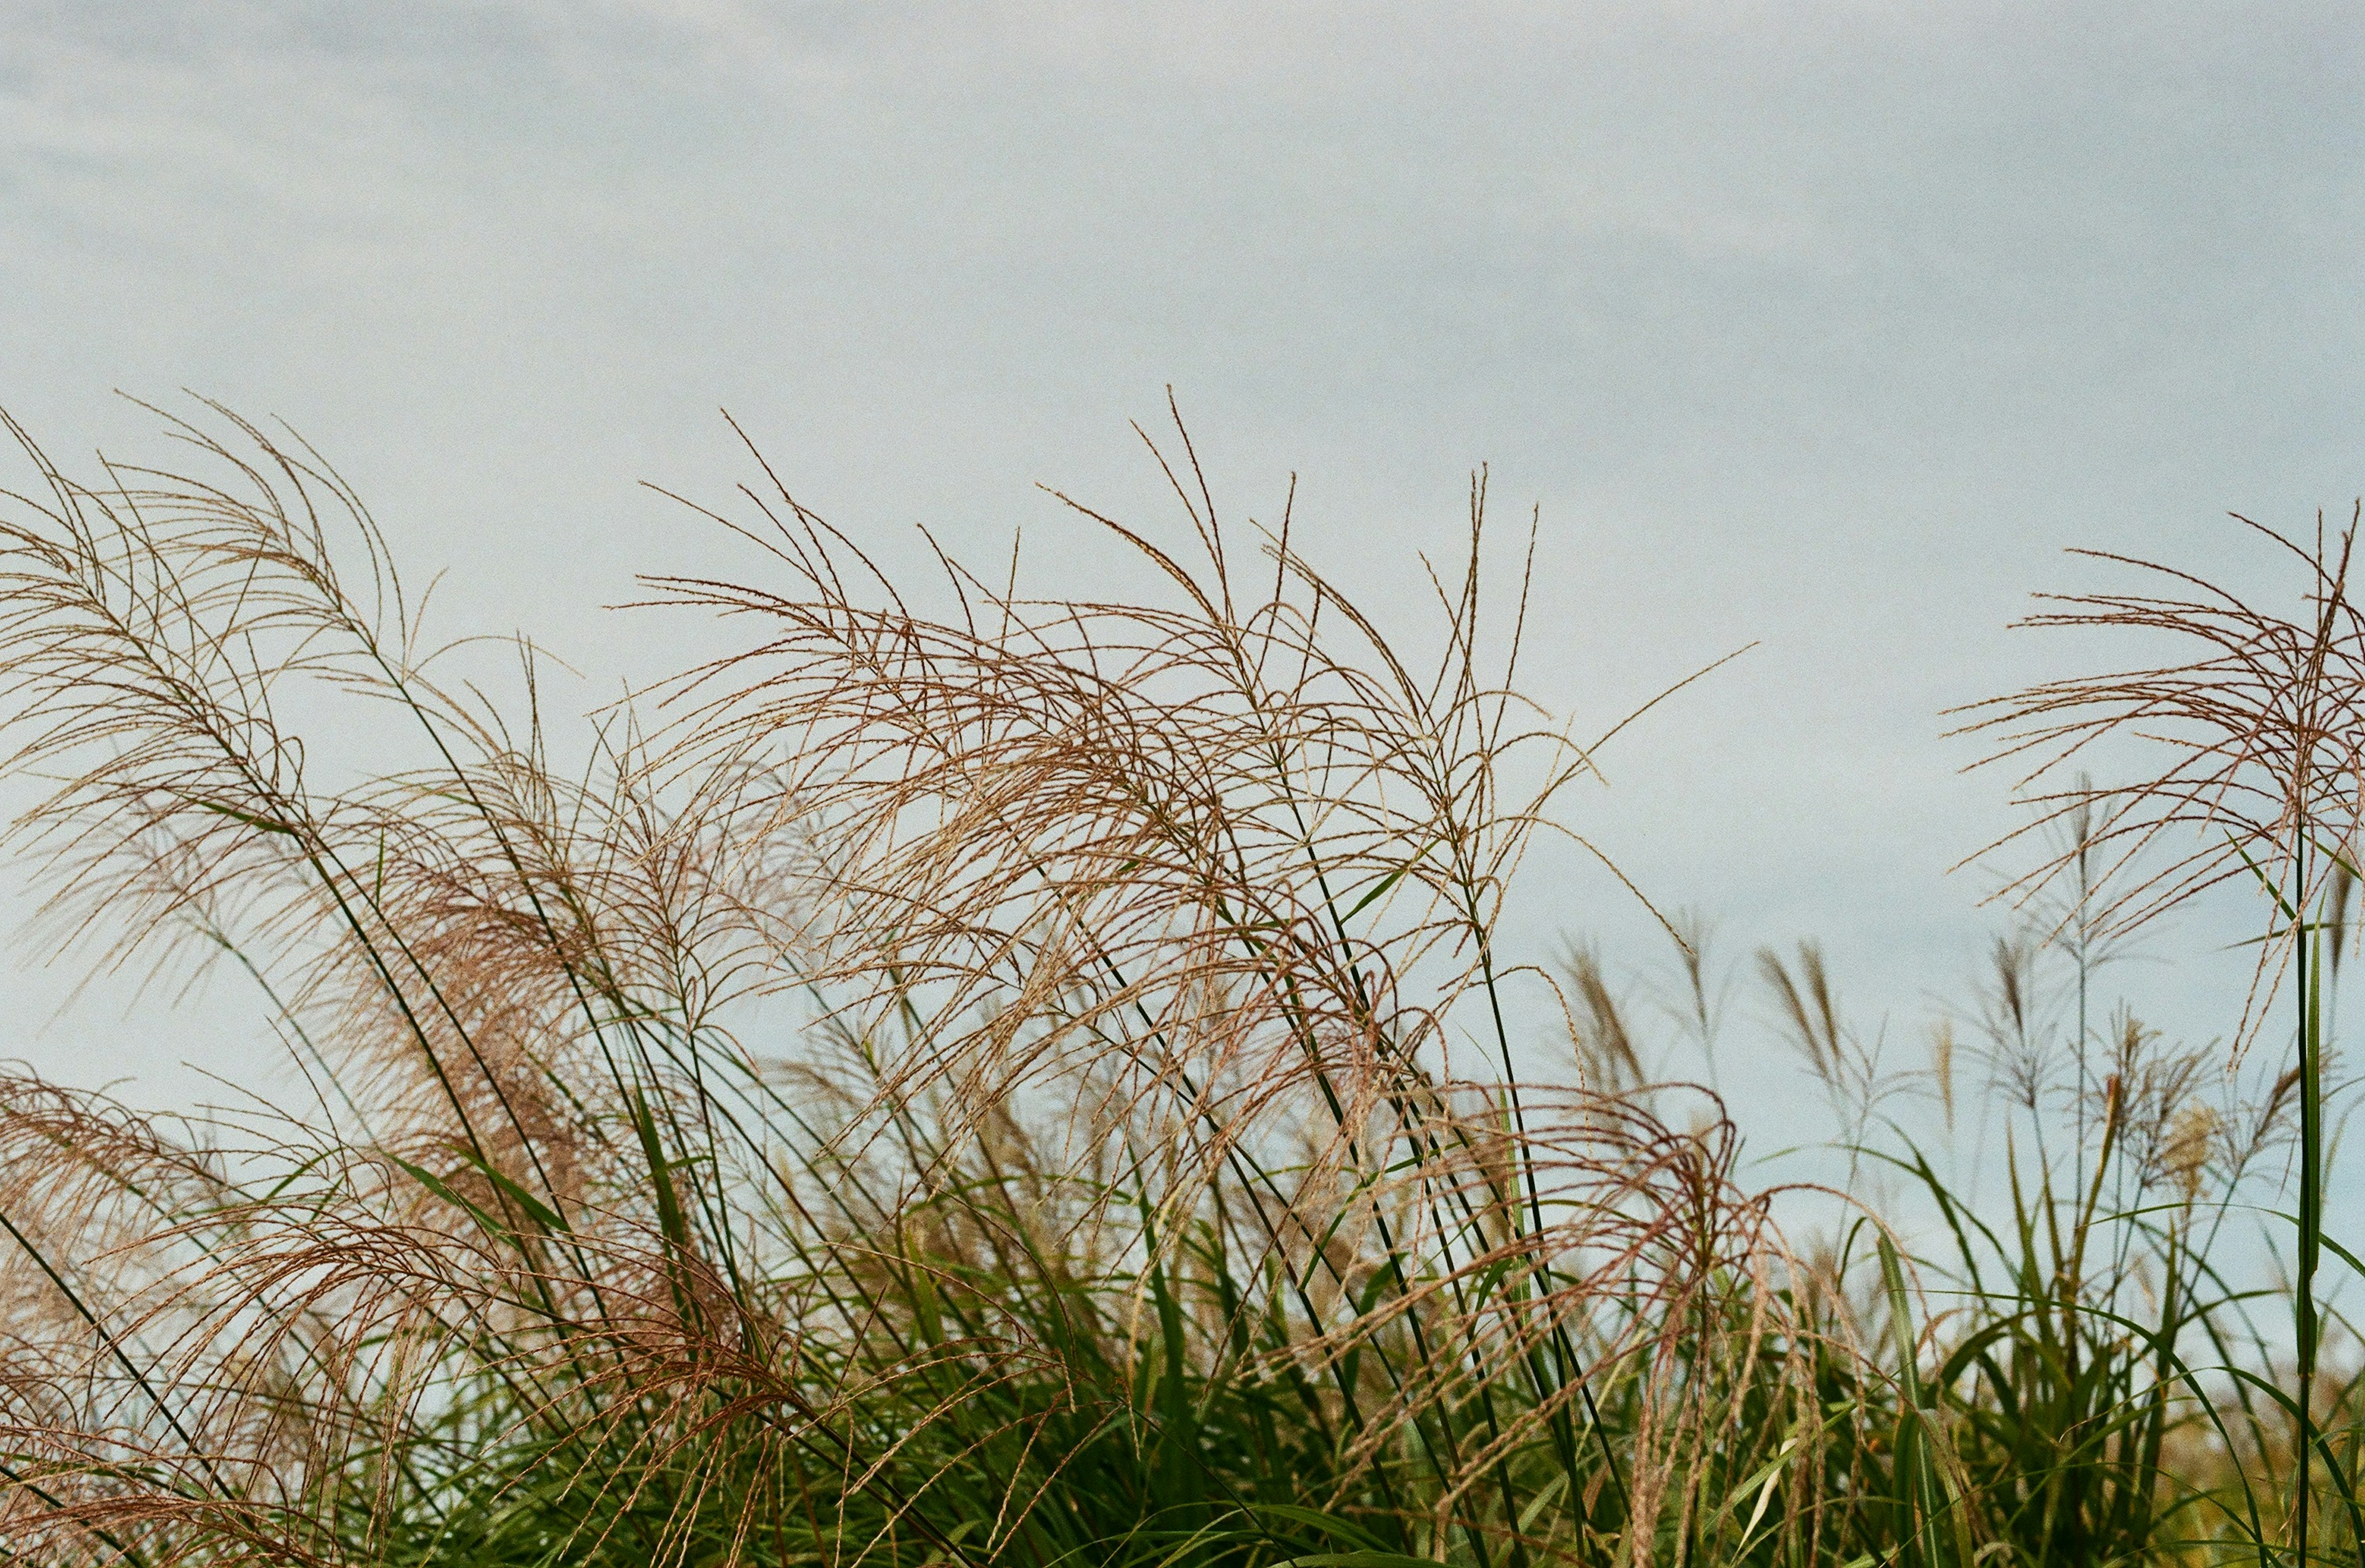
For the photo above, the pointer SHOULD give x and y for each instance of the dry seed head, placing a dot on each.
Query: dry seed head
(2185, 1148)
(2260, 737)
(1942, 1065)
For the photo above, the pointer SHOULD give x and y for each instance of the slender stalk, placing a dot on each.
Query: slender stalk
(2308, 994)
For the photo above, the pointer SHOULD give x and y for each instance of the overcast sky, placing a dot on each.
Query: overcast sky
(1822, 326)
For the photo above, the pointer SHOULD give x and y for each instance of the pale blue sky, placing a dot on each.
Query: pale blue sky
(1821, 325)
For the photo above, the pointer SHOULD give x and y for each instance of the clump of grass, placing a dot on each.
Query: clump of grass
(1019, 1081)
(984, 1087)
(2262, 730)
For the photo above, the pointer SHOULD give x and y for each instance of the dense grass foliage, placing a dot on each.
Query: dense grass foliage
(1037, 1083)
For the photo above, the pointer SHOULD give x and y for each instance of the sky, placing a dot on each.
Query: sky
(1823, 328)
